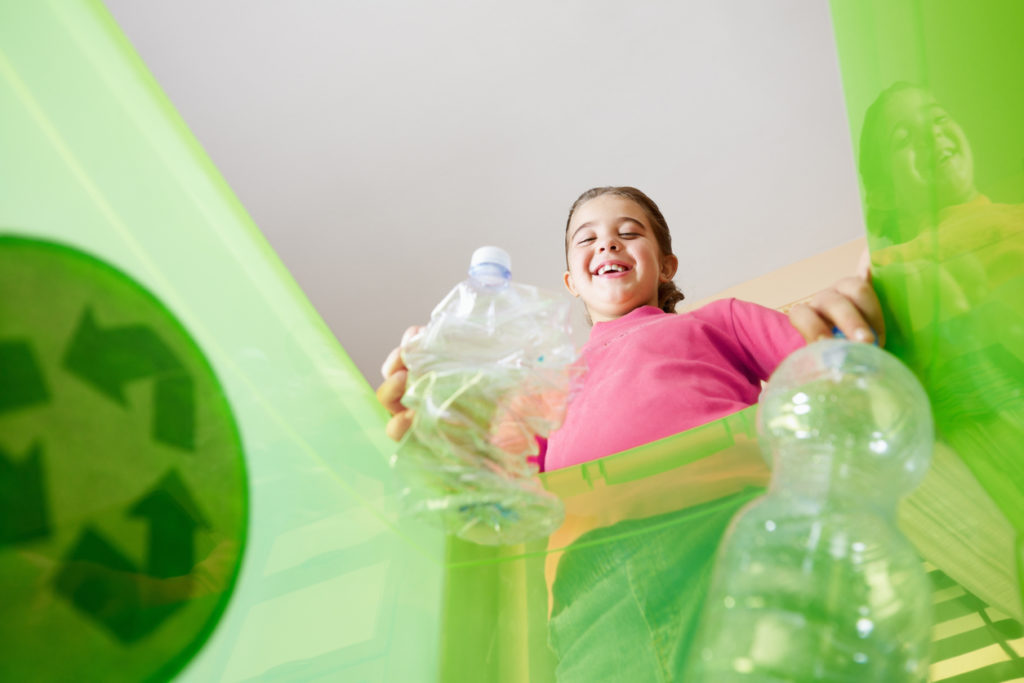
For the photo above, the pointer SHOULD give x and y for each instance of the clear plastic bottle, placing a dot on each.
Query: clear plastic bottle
(814, 581)
(489, 373)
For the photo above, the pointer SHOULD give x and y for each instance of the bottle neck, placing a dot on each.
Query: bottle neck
(490, 276)
(833, 478)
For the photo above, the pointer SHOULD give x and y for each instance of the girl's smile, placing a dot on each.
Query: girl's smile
(612, 269)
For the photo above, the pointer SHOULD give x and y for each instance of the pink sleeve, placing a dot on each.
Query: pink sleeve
(765, 334)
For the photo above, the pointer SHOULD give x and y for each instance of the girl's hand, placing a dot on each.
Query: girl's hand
(850, 305)
(390, 393)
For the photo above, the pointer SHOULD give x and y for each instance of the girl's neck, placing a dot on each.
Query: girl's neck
(605, 319)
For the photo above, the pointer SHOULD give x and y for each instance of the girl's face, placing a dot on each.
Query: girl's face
(930, 159)
(615, 264)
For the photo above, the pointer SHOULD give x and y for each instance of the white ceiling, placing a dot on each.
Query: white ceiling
(376, 144)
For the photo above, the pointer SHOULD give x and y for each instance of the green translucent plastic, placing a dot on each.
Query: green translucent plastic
(626, 572)
(935, 110)
(334, 584)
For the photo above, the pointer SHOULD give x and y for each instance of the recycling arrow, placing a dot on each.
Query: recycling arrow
(21, 381)
(110, 358)
(100, 581)
(173, 518)
(23, 508)
(105, 585)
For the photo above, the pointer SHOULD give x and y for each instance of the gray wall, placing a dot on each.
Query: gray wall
(376, 144)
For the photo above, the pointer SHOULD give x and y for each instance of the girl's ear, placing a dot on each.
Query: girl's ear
(567, 279)
(669, 265)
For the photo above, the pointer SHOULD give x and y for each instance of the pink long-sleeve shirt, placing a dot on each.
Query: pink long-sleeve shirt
(650, 374)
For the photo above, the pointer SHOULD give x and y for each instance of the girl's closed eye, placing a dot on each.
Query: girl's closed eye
(585, 240)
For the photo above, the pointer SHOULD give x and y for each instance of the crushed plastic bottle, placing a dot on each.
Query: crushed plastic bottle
(814, 581)
(487, 375)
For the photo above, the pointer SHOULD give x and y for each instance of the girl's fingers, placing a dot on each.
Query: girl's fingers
(393, 363)
(808, 323)
(860, 292)
(851, 306)
(840, 310)
(390, 393)
(398, 425)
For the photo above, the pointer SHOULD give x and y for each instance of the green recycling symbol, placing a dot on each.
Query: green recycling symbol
(123, 498)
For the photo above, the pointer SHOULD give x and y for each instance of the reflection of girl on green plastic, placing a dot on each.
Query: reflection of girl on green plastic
(949, 268)
(926, 215)
(917, 168)
(915, 160)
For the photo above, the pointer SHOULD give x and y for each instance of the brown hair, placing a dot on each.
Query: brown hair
(668, 293)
